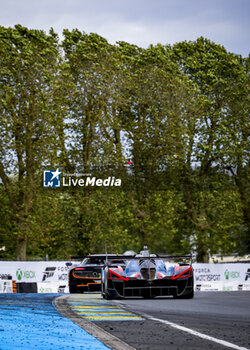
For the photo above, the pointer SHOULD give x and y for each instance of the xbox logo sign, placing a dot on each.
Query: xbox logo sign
(19, 274)
(226, 274)
(231, 274)
(25, 274)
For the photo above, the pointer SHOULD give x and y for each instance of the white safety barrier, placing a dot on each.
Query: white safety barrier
(33, 271)
(52, 276)
(222, 277)
(52, 287)
(6, 286)
(35, 277)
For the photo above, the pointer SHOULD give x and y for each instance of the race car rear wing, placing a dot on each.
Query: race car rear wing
(175, 256)
(100, 256)
(111, 258)
(150, 257)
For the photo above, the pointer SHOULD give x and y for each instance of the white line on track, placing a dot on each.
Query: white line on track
(197, 334)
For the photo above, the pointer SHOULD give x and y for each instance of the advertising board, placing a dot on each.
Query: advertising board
(221, 277)
(52, 276)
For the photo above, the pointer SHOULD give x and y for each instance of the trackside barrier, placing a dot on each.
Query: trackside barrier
(6, 286)
(222, 287)
(53, 287)
(34, 277)
(14, 286)
(26, 287)
(221, 277)
(52, 276)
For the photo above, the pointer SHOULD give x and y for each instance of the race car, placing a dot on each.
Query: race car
(149, 275)
(86, 277)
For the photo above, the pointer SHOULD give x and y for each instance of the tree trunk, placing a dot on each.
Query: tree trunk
(21, 247)
(241, 183)
(202, 253)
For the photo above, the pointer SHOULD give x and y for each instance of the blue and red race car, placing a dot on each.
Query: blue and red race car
(148, 275)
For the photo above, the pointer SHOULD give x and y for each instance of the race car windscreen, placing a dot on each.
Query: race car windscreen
(94, 260)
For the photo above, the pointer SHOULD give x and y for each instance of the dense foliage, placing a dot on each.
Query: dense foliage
(178, 113)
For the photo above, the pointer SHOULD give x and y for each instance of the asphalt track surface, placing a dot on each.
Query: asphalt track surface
(221, 315)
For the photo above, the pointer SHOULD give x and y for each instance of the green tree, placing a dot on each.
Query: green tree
(219, 78)
(178, 113)
(27, 67)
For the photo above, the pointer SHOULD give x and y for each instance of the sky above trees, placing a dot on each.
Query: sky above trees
(141, 22)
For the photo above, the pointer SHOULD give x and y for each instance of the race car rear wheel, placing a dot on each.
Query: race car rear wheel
(105, 293)
(188, 295)
(106, 296)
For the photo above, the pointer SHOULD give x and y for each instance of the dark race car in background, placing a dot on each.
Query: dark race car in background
(149, 275)
(86, 277)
